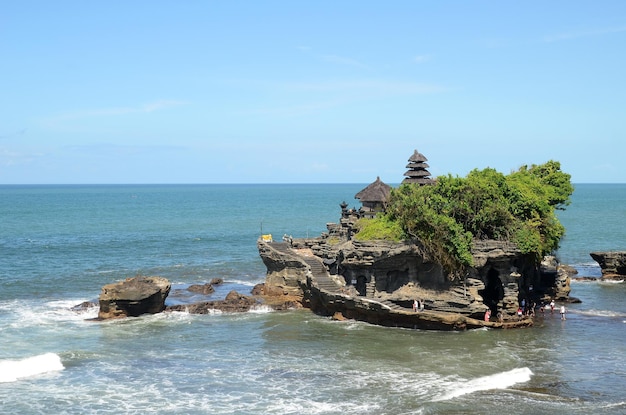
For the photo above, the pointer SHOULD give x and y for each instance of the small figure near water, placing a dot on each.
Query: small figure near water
(552, 306)
(415, 305)
(562, 311)
(288, 239)
(488, 315)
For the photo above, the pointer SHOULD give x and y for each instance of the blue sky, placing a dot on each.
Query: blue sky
(308, 91)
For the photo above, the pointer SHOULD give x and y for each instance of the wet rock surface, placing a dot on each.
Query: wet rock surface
(133, 297)
(612, 263)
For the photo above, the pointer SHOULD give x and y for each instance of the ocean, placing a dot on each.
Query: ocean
(60, 244)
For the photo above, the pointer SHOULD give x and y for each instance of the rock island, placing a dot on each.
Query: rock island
(414, 283)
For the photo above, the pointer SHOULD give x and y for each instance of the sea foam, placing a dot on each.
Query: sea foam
(501, 380)
(13, 370)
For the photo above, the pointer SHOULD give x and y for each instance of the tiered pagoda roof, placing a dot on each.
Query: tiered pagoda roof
(418, 172)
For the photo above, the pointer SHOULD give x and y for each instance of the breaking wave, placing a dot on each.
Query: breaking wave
(501, 380)
(13, 370)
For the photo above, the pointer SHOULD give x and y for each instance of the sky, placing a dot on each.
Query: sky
(308, 91)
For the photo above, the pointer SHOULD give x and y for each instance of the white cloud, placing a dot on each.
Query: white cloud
(150, 107)
(14, 158)
(583, 33)
(372, 85)
(342, 60)
(421, 58)
(116, 150)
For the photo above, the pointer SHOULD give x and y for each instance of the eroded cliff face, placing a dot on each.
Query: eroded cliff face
(399, 273)
(612, 263)
(285, 273)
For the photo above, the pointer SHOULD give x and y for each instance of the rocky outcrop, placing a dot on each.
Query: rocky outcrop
(285, 272)
(378, 282)
(386, 313)
(133, 297)
(240, 303)
(204, 289)
(233, 303)
(363, 275)
(612, 263)
(146, 295)
(400, 271)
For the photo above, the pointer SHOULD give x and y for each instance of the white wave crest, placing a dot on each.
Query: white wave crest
(600, 313)
(611, 282)
(13, 370)
(261, 309)
(501, 380)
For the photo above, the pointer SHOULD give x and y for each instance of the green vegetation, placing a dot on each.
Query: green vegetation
(445, 217)
(380, 227)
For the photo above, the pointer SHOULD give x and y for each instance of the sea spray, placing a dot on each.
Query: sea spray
(501, 380)
(13, 370)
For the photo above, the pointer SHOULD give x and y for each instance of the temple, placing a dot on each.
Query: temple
(418, 172)
(374, 198)
(378, 281)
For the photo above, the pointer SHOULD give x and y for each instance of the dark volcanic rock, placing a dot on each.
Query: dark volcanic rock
(84, 306)
(612, 263)
(204, 289)
(233, 303)
(133, 297)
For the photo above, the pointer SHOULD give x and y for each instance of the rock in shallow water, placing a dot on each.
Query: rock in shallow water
(133, 297)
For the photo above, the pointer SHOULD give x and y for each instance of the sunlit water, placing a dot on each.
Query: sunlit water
(60, 244)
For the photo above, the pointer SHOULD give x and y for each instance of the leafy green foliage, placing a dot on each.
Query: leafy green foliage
(447, 216)
(380, 227)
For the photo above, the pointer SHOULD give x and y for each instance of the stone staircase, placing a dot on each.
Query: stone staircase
(318, 270)
(394, 306)
(325, 283)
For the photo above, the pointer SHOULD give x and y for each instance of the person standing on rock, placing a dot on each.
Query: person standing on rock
(415, 305)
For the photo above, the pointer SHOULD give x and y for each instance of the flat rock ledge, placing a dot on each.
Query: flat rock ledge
(612, 264)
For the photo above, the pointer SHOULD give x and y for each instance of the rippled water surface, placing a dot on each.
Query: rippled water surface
(60, 244)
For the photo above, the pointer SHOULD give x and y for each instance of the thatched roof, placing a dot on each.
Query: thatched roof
(423, 180)
(420, 164)
(417, 157)
(375, 192)
(417, 172)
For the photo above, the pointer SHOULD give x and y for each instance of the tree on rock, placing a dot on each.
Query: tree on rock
(446, 217)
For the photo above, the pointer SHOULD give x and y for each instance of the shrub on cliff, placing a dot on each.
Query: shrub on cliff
(380, 227)
(520, 207)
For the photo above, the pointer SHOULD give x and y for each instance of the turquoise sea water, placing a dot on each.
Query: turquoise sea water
(60, 244)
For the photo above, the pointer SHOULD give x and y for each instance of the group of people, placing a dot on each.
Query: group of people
(522, 310)
(418, 305)
(552, 306)
(543, 307)
(499, 316)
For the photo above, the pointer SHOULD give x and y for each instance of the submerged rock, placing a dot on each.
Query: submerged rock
(204, 289)
(233, 303)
